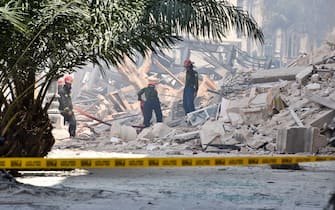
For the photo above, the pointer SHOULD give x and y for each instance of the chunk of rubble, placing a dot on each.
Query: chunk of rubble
(123, 132)
(183, 137)
(300, 139)
(158, 130)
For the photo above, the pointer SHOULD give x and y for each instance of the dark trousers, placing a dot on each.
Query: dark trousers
(149, 106)
(188, 99)
(71, 119)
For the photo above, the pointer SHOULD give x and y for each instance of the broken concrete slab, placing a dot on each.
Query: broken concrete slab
(296, 118)
(237, 105)
(211, 133)
(273, 75)
(313, 86)
(323, 118)
(303, 75)
(318, 140)
(161, 130)
(254, 115)
(320, 100)
(258, 100)
(158, 130)
(258, 141)
(183, 137)
(223, 109)
(235, 118)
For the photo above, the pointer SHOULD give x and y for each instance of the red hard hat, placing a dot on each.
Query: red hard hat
(60, 81)
(188, 62)
(152, 83)
(68, 79)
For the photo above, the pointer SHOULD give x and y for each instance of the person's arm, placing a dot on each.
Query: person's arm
(139, 94)
(196, 82)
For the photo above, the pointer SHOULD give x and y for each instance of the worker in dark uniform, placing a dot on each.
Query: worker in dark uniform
(191, 87)
(66, 107)
(151, 103)
(60, 85)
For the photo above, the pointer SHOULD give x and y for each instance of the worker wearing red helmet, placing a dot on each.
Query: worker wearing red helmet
(191, 87)
(65, 105)
(151, 103)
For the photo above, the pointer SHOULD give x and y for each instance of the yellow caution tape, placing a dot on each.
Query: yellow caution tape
(63, 163)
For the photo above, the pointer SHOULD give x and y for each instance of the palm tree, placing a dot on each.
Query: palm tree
(48, 38)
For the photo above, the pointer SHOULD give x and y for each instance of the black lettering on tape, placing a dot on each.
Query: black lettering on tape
(202, 162)
(235, 162)
(2, 163)
(135, 162)
(169, 162)
(33, 163)
(153, 162)
(68, 163)
(86, 163)
(51, 163)
(269, 161)
(220, 162)
(253, 161)
(16, 163)
(102, 163)
(186, 162)
(287, 160)
(120, 163)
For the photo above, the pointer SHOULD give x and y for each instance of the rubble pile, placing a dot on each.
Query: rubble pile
(285, 110)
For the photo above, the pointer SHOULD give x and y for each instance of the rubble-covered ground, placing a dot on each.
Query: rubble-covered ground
(289, 110)
(255, 112)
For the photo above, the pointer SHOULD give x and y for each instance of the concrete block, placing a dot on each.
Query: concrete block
(318, 140)
(313, 86)
(127, 133)
(294, 140)
(259, 100)
(211, 132)
(183, 137)
(237, 105)
(300, 139)
(57, 120)
(324, 118)
(235, 119)
(321, 100)
(254, 115)
(224, 106)
(160, 130)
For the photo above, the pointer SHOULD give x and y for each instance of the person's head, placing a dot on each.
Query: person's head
(68, 80)
(60, 82)
(151, 83)
(188, 64)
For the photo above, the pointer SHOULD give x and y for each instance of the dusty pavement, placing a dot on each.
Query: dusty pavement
(257, 187)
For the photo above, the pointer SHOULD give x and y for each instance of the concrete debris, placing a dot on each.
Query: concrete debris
(123, 132)
(284, 110)
(183, 137)
(300, 139)
(211, 132)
